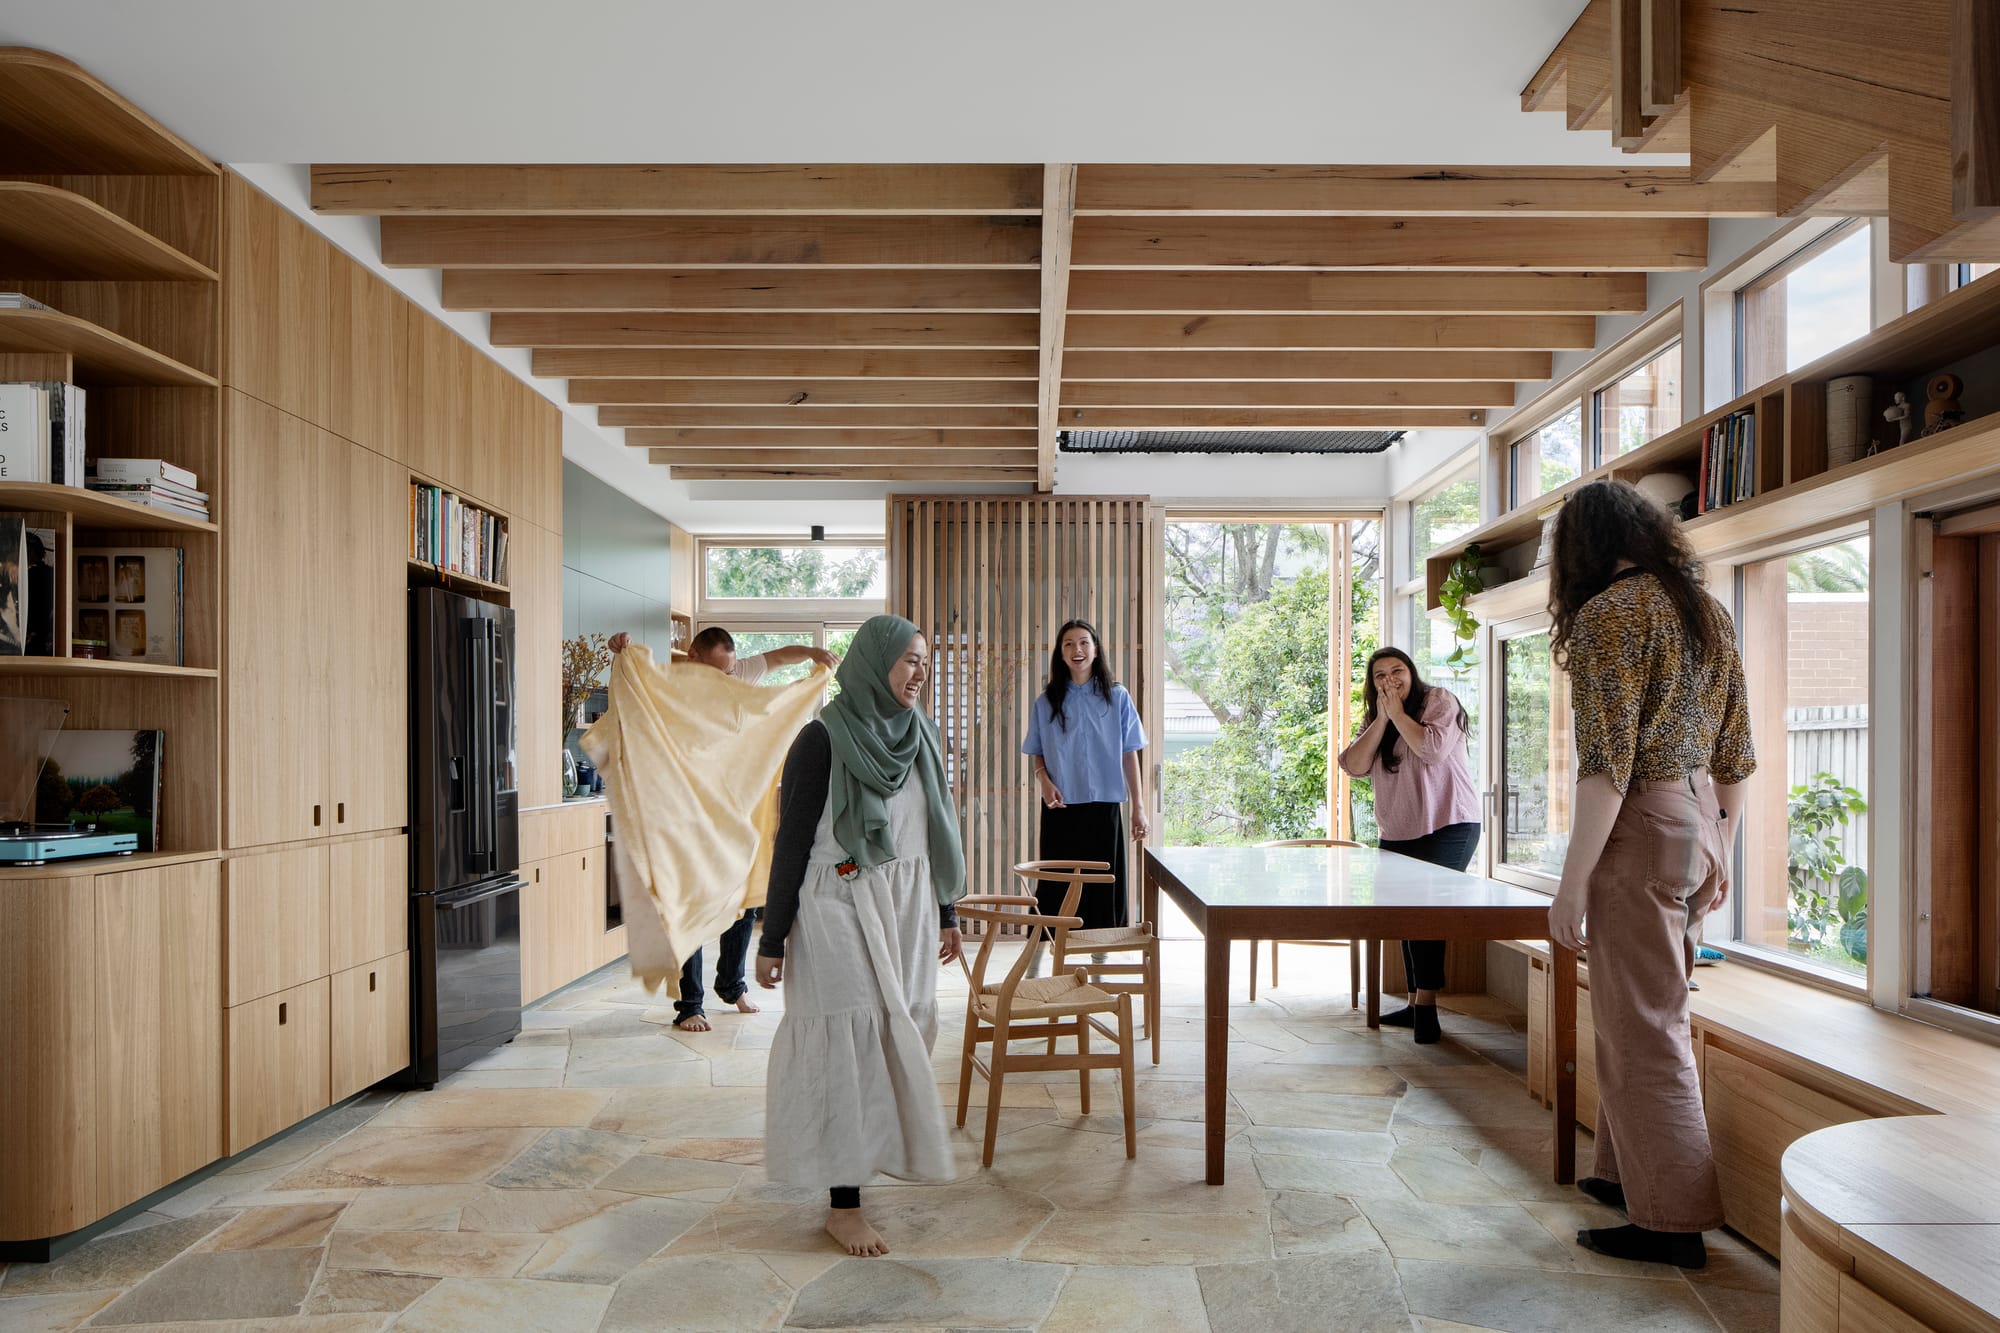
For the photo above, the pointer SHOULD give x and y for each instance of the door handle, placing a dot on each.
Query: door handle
(281, 1013)
(340, 813)
(315, 816)
(371, 982)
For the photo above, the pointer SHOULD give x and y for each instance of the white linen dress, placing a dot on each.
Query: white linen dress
(850, 1093)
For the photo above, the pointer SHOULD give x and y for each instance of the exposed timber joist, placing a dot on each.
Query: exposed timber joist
(948, 441)
(1250, 366)
(1492, 333)
(970, 461)
(703, 363)
(1058, 229)
(775, 290)
(1393, 191)
(1309, 293)
(825, 393)
(813, 417)
(1285, 394)
(756, 329)
(870, 189)
(710, 242)
(855, 474)
(1336, 243)
(1266, 418)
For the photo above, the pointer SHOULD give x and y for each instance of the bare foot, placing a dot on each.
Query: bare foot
(851, 1230)
(746, 1005)
(692, 1023)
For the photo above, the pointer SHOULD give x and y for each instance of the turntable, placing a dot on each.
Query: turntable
(26, 727)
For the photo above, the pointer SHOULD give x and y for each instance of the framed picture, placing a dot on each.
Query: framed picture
(131, 599)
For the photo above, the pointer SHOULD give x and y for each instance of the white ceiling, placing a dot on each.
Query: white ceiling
(827, 80)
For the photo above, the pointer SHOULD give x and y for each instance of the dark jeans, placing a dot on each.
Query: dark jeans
(1451, 847)
(729, 985)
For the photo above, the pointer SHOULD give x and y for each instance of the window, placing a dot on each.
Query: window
(1537, 757)
(1803, 881)
(1961, 274)
(1431, 645)
(1643, 404)
(751, 642)
(1804, 307)
(818, 571)
(1546, 458)
(1444, 515)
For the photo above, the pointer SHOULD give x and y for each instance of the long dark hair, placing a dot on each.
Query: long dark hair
(1390, 751)
(1058, 687)
(1609, 521)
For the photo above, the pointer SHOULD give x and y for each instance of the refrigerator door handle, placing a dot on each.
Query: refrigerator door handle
(475, 801)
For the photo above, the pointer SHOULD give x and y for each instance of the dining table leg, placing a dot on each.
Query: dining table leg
(1374, 949)
(1563, 1021)
(1215, 1086)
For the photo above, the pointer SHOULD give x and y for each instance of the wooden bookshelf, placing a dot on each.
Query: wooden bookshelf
(103, 359)
(1795, 489)
(453, 578)
(55, 117)
(99, 667)
(95, 508)
(51, 233)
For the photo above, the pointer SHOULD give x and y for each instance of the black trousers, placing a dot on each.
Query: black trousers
(1451, 847)
(730, 953)
(1093, 831)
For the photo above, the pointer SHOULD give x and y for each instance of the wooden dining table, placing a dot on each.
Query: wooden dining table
(1349, 893)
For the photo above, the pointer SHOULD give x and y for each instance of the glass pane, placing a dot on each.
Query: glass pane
(1806, 879)
(751, 642)
(1550, 457)
(812, 571)
(1433, 644)
(1644, 404)
(1443, 516)
(1826, 301)
(1537, 757)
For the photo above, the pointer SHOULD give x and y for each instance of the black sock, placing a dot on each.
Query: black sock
(1607, 1192)
(1406, 1017)
(844, 1196)
(1428, 1031)
(1683, 1249)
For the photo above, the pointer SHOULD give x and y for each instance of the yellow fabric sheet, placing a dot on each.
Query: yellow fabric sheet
(691, 760)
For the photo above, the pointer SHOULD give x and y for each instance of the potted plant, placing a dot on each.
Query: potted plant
(1828, 895)
(1465, 579)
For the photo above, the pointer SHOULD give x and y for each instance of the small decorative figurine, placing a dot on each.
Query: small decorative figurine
(1899, 413)
(1942, 411)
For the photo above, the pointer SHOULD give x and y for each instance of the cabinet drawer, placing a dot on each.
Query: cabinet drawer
(274, 921)
(1754, 1114)
(371, 1024)
(582, 828)
(537, 832)
(277, 1062)
(369, 900)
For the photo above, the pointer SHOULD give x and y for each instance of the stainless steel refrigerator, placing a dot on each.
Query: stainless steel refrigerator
(465, 904)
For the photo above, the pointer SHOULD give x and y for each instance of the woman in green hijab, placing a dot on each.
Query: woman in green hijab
(858, 917)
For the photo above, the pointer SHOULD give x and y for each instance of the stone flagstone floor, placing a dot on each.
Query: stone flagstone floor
(604, 1172)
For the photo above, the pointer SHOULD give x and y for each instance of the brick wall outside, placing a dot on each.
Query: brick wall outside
(1827, 650)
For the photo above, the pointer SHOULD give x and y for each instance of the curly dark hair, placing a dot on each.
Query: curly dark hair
(1390, 750)
(1602, 524)
(1058, 687)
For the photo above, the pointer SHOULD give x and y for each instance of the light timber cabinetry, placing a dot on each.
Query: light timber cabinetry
(564, 863)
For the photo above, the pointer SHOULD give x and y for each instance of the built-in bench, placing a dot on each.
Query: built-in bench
(1778, 1060)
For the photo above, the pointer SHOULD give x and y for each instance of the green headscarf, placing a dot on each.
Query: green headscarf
(876, 742)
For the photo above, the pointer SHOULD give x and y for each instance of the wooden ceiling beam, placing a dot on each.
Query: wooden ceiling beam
(710, 242)
(795, 392)
(694, 290)
(703, 363)
(1271, 418)
(863, 189)
(1307, 293)
(813, 417)
(1278, 394)
(1251, 366)
(1137, 333)
(949, 441)
(1397, 191)
(669, 329)
(967, 460)
(1337, 243)
(1058, 233)
(853, 474)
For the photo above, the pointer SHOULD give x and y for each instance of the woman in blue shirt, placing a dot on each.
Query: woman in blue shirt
(1085, 740)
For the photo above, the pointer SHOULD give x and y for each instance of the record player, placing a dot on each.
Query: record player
(26, 727)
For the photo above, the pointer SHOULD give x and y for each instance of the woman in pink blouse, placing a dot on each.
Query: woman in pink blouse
(1413, 749)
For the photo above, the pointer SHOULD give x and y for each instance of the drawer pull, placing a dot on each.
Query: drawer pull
(538, 874)
(281, 1013)
(315, 816)
(586, 862)
(340, 813)
(371, 982)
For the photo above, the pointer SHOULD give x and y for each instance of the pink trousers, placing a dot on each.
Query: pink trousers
(1664, 864)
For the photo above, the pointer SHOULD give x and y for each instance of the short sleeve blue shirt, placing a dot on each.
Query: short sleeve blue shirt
(1085, 752)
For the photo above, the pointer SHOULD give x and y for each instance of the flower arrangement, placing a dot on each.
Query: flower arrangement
(584, 659)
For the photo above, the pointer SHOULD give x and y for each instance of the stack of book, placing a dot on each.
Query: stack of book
(41, 432)
(1728, 462)
(455, 535)
(153, 482)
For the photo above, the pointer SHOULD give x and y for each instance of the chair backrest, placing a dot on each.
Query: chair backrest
(1000, 909)
(1075, 874)
(1310, 842)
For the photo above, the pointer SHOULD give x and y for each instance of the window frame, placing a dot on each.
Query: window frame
(762, 612)
(1758, 294)
(1495, 636)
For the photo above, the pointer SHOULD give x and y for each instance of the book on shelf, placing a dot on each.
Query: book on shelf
(456, 536)
(139, 470)
(162, 495)
(21, 301)
(27, 588)
(42, 432)
(130, 598)
(109, 779)
(1728, 462)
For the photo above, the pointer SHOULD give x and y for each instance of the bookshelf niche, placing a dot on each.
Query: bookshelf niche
(110, 228)
(457, 542)
(1793, 486)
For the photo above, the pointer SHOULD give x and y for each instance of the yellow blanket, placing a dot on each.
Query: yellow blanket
(691, 760)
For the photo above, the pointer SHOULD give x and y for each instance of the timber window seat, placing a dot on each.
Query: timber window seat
(1778, 1060)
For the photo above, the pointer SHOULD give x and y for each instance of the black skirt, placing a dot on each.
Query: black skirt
(1094, 831)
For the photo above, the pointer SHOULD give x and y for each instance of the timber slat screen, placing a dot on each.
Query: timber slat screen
(990, 579)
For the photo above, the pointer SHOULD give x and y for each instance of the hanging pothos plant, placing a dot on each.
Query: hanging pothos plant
(1461, 583)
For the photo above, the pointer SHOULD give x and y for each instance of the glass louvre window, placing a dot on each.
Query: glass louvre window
(1547, 458)
(1644, 404)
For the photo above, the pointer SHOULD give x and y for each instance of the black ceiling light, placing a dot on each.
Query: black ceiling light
(819, 533)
